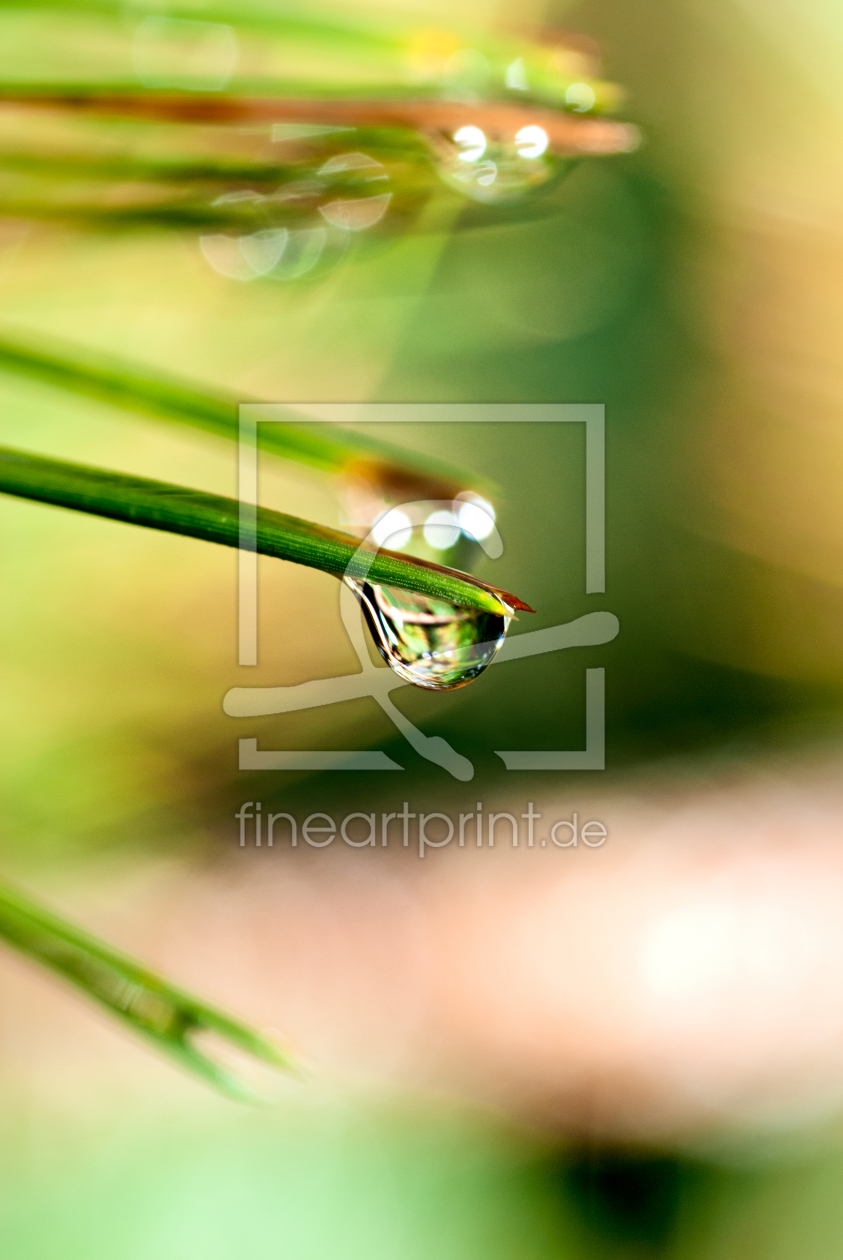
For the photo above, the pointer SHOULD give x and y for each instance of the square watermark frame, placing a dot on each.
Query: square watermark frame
(594, 628)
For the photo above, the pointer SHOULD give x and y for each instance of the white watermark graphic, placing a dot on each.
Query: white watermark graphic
(420, 831)
(592, 629)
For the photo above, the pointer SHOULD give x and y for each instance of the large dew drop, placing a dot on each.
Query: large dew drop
(430, 642)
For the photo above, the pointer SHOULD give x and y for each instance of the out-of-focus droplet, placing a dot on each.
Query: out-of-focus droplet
(244, 257)
(301, 254)
(225, 256)
(262, 250)
(531, 141)
(296, 190)
(516, 76)
(429, 642)
(471, 144)
(580, 97)
(238, 196)
(271, 253)
(496, 169)
(355, 214)
(354, 162)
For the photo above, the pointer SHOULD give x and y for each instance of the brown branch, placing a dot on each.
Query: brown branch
(568, 135)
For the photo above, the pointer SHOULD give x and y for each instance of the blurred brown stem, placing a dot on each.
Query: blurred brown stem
(568, 135)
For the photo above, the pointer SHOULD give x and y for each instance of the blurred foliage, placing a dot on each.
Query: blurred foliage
(645, 283)
(308, 1182)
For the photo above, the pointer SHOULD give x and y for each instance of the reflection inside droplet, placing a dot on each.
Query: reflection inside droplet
(429, 642)
(531, 141)
(486, 174)
(471, 144)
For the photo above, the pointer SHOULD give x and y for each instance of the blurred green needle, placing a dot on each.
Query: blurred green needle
(153, 1008)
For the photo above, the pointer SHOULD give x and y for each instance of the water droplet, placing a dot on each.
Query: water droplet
(497, 169)
(296, 190)
(359, 162)
(223, 253)
(471, 144)
(244, 257)
(238, 195)
(303, 251)
(263, 249)
(429, 642)
(531, 141)
(580, 97)
(516, 76)
(356, 214)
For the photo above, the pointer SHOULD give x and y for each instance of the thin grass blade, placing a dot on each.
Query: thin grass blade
(214, 518)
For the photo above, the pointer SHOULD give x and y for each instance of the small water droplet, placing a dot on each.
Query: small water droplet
(304, 250)
(356, 214)
(531, 141)
(263, 249)
(471, 144)
(429, 642)
(342, 162)
(580, 97)
(516, 76)
(497, 169)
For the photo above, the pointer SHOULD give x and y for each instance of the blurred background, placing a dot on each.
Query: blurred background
(631, 1051)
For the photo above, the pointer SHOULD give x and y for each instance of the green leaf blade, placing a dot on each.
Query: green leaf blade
(214, 518)
(162, 397)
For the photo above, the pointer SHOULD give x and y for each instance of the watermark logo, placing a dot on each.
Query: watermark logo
(377, 682)
(420, 831)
